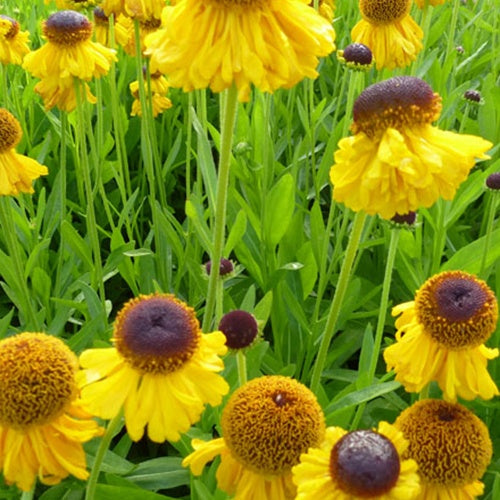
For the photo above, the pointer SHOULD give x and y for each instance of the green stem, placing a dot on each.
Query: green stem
(227, 126)
(113, 427)
(241, 363)
(15, 252)
(29, 495)
(97, 273)
(489, 230)
(333, 315)
(452, 29)
(384, 300)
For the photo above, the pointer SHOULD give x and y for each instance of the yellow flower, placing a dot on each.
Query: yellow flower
(13, 42)
(451, 446)
(440, 337)
(396, 161)
(69, 54)
(326, 8)
(101, 29)
(266, 425)
(421, 3)
(357, 465)
(390, 32)
(17, 172)
(42, 424)
(159, 89)
(126, 25)
(72, 4)
(162, 369)
(215, 43)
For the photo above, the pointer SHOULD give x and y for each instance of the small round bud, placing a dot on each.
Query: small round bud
(472, 95)
(239, 327)
(460, 49)
(225, 267)
(493, 181)
(358, 53)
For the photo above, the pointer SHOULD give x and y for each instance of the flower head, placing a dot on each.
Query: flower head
(69, 54)
(218, 43)
(159, 89)
(162, 369)
(452, 315)
(226, 267)
(396, 161)
(493, 181)
(17, 172)
(356, 465)
(42, 424)
(326, 8)
(13, 41)
(451, 446)
(240, 328)
(266, 425)
(390, 32)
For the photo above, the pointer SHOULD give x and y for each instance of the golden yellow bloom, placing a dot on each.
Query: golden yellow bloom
(440, 337)
(13, 42)
(72, 4)
(42, 424)
(215, 43)
(391, 33)
(266, 425)
(101, 29)
(69, 54)
(326, 8)
(17, 172)
(162, 370)
(357, 465)
(396, 161)
(451, 446)
(421, 3)
(126, 24)
(159, 89)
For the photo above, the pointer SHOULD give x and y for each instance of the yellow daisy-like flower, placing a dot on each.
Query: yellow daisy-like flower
(266, 425)
(159, 89)
(356, 465)
(17, 172)
(451, 446)
(391, 33)
(42, 424)
(162, 370)
(441, 334)
(396, 161)
(101, 29)
(421, 3)
(326, 8)
(69, 54)
(73, 4)
(215, 43)
(13, 42)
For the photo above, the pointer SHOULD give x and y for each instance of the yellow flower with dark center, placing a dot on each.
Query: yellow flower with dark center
(159, 89)
(162, 370)
(42, 424)
(451, 446)
(69, 54)
(17, 171)
(101, 29)
(72, 4)
(266, 425)
(391, 33)
(440, 337)
(13, 41)
(215, 43)
(326, 8)
(356, 465)
(396, 161)
(421, 3)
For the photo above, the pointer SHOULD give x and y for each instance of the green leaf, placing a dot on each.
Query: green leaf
(110, 492)
(160, 473)
(279, 210)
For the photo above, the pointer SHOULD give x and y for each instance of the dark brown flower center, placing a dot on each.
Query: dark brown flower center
(67, 27)
(384, 11)
(156, 333)
(399, 102)
(456, 309)
(364, 464)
